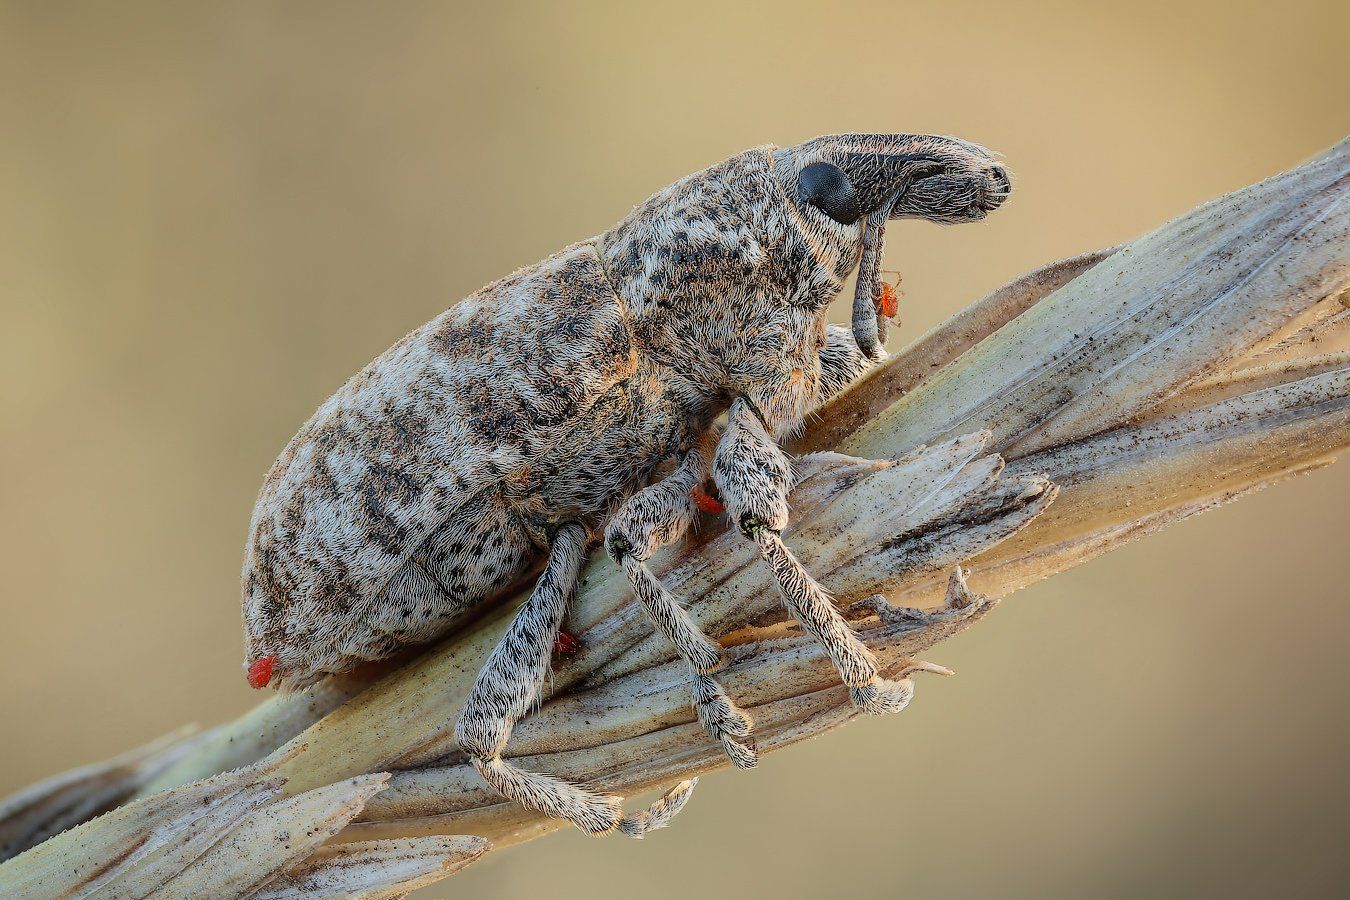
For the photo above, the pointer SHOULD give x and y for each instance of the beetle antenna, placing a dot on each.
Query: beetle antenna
(869, 328)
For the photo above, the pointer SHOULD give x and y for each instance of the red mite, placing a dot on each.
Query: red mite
(707, 502)
(889, 302)
(888, 294)
(261, 671)
(566, 644)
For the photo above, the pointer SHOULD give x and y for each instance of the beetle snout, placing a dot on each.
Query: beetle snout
(996, 188)
(1001, 186)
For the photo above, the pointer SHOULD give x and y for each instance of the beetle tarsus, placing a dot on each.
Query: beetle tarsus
(725, 722)
(659, 814)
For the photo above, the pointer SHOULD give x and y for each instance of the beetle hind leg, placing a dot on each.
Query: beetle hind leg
(652, 518)
(510, 683)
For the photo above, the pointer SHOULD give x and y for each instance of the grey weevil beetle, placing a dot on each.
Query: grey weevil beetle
(530, 420)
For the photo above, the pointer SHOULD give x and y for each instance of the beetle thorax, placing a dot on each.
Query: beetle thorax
(725, 286)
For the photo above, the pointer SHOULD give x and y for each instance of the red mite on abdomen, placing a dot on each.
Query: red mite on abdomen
(261, 671)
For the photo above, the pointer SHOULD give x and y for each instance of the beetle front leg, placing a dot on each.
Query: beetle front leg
(753, 476)
(652, 518)
(842, 361)
(510, 683)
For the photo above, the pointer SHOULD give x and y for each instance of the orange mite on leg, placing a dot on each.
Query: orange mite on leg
(889, 303)
(261, 671)
(888, 296)
(707, 502)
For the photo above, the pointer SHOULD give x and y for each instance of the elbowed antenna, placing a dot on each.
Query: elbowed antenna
(869, 325)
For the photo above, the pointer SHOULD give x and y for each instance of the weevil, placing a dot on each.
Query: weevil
(588, 399)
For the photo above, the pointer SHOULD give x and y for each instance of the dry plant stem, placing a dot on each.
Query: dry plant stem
(1132, 388)
(1134, 480)
(262, 729)
(296, 826)
(234, 835)
(375, 870)
(49, 807)
(788, 684)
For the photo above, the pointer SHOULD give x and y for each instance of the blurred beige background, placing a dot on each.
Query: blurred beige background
(211, 214)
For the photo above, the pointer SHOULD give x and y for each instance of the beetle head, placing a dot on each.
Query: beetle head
(846, 186)
(848, 177)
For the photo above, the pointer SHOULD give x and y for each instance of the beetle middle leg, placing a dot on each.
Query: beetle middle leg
(510, 683)
(652, 518)
(753, 476)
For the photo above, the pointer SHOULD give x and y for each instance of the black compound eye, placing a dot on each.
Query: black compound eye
(827, 188)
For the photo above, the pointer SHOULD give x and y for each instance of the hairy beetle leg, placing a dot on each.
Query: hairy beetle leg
(721, 718)
(753, 476)
(814, 609)
(650, 519)
(510, 683)
(659, 814)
